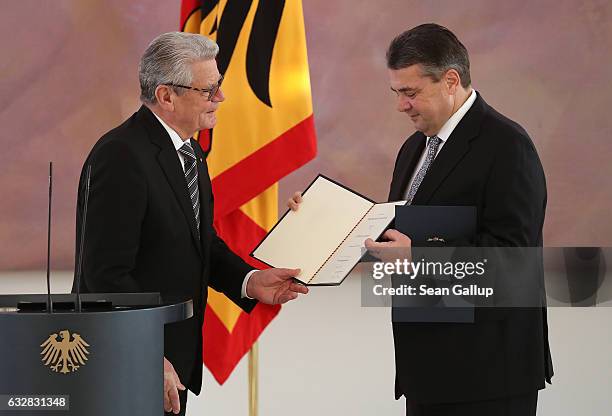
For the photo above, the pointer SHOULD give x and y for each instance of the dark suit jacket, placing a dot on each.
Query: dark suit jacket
(141, 232)
(489, 162)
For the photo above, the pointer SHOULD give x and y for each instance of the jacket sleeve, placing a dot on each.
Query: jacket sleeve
(228, 272)
(515, 197)
(227, 269)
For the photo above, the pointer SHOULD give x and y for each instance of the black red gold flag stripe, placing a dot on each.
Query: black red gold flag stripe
(265, 130)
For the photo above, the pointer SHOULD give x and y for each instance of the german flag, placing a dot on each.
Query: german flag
(265, 130)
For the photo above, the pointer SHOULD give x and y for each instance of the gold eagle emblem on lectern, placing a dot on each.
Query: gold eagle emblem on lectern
(64, 355)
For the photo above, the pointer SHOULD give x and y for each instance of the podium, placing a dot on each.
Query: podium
(105, 360)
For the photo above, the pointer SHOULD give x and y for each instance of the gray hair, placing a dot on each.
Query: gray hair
(168, 60)
(432, 46)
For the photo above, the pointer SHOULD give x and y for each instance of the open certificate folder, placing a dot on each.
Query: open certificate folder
(325, 237)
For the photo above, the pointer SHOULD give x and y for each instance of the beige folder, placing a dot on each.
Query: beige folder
(325, 237)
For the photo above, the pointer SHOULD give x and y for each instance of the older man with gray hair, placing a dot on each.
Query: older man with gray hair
(151, 207)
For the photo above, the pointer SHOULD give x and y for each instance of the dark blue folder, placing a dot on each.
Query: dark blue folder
(424, 223)
(446, 226)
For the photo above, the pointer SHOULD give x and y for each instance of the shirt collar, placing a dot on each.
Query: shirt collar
(451, 123)
(174, 136)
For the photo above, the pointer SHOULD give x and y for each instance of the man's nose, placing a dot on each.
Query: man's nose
(219, 96)
(403, 104)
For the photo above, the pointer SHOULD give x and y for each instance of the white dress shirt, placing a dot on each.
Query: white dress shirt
(178, 143)
(443, 134)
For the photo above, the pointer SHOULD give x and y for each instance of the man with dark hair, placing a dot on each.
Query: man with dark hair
(150, 212)
(466, 153)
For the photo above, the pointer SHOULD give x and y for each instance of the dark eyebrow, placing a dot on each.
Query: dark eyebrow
(404, 89)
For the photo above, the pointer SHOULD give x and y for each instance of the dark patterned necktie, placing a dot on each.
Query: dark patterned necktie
(432, 149)
(191, 176)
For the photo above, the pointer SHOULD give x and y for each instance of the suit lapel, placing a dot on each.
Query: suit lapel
(405, 166)
(456, 147)
(171, 166)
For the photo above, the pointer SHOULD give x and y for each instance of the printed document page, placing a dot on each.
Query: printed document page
(352, 248)
(305, 239)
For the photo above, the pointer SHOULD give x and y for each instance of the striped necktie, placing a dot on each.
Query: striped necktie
(432, 149)
(191, 176)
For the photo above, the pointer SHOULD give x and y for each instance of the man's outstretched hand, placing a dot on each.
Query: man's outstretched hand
(275, 286)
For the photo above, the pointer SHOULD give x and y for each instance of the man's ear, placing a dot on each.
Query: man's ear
(452, 80)
(165, 97)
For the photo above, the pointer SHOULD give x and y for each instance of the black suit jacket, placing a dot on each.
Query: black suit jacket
(489, 162)
(141, 233)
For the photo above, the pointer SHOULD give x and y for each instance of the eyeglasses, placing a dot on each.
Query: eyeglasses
(210, 92)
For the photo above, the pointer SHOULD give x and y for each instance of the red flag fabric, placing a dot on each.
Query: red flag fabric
(265, 130)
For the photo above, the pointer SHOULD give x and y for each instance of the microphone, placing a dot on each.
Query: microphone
(82, 245)
(49, 302)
